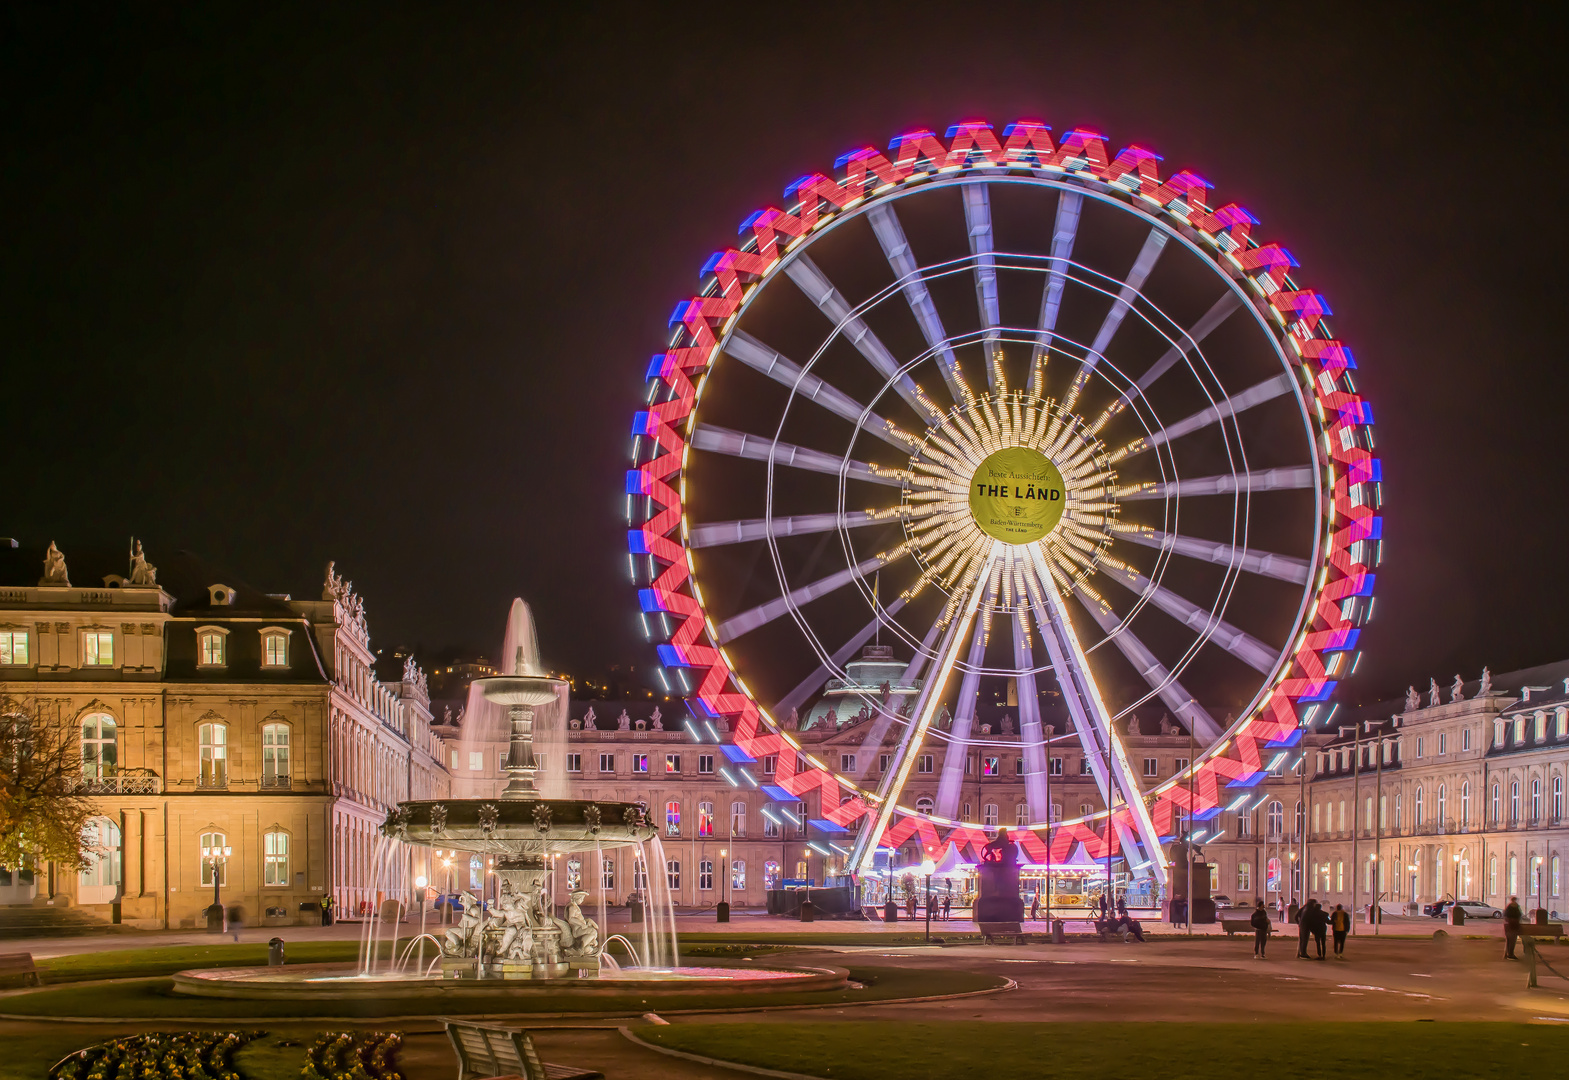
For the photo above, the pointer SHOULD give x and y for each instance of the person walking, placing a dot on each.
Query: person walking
(947, 905)
(1512, 918)
(326, 909)
(1260, 923)
(1035, 908)
(1304, 930)
(1320, 926)
(1340, 923)
(1122, 907)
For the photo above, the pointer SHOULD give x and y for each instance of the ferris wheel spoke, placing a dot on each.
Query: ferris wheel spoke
(1103, 748)
(888, 711)
(952, 778)
(978, 222)
(764, 614)
(1257, 394)
(721, 533)
(1064, 229)
(1263, 563)
(1288, 478)
(1173, 693)
(820, 676)
(759, 357)
(718, 440)
(820, 291)
(1149, 254)
(890, 234)
(1239, 643)
(1031, 736)
(1211, 319)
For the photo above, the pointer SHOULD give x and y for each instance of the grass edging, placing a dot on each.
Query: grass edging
(756, 1070)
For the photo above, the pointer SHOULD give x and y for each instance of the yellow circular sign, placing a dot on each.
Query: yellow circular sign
(1017, 495)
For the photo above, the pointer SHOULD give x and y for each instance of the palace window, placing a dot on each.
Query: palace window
(1465, 802)
(1277, 818)
(574, 763)
(1300, 817)
(882, 762)
(1514, 875)
(476, 873)
(213, 740)
(1244, 877)
(705, 875)
(672, 763)
(1084, 766)
(1498, 812)
(13, 646)
(639, 874)
(1443, 743)
(98, 648)
(989, 766)
(1443, 803)
(101, 849)
(275, 755)
(847, 763)
(1151, 767)
(924, 805)
(1558, 799)
(1492, 876)
(1021, 814)
(800, 818)
(673, 875)
(607, 763)
(607, 875)
(738, 874)
(1018, 766)
(640, 763)
(100, 752)
(1056, 811)
(1399, 818)
(574, 875)
(1536, 799)
(1419, 747)
(989, 815)
(925, 764)
(1465, 738)
(672, 818)
(705, 819)
(705, 764)
(770, 764)
(1563, 723)
(211, 841)
(1417, 818)
(1056, 767)
(1519, 726)
(275, 858)
(1085, 809)
(771, 871)
(1541, 727)
(1554, 866)
(1514, 806)
(275, 648)
(770, 824)
(210, 650)
(738, 819)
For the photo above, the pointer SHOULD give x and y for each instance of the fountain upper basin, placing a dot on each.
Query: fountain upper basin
(519, 689)
(514, 826)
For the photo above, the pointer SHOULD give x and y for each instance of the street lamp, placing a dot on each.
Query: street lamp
(1457, 876)
(927, 866)
(218, 857)
(722, 913)
(1374, 912)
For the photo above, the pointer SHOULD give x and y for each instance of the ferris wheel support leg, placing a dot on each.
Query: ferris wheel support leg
(1031, 735)
(963, 717)
(893, 781)
(887, 711)
(1108, 759)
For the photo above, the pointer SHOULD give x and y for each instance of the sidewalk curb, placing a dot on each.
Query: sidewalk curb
(716, 1062)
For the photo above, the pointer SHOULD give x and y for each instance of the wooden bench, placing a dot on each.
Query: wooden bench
(498, 1053)
(13, 965)
(1527, 929)
(995, 932)
(1233, 927)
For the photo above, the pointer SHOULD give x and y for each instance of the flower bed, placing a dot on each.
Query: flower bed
(191, 1055)
(350, 1056)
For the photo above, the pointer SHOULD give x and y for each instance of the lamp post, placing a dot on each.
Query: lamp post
(722, 913)
(1374, 912)
(927, 866)
(1457, 877)
(446, 907)
(218, 858)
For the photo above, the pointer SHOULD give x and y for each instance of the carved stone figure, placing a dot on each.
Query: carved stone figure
(332, 588)
(886, 690)
(397, 823)
(944, 717)
(659, 723)
(438, 817)
(542, 816)
(793, 721)
(489, 816)
(724, 725)
(1433, 696)
(623, 722)
(585, 935)
(1050, 729)
(1487, 683)
(588, 720)
(142, 571)
(460, 940)
(1166, 726)
(591, 817)
(517, 935)
(1007, 724)
(55, 572)
(1413, 699)
(1457, 691)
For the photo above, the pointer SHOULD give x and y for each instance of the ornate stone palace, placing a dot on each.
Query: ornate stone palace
(211, 716)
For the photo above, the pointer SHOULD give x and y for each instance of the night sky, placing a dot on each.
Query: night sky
(382, 288)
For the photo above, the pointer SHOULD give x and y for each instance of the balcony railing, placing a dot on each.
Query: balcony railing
(275, 783)
(125, 782)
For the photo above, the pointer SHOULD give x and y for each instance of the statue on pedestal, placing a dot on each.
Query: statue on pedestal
(1487, 683)
(1413, 699)
(585, 935)
(55, 572)
(659, 723)
(998, 899)
(1457, 691)
(623, 722)
(1434, 699)
(142, 571)
(588, 719)
(461, 939)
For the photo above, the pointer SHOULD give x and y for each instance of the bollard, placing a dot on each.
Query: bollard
(275, 952)
(890, 912)
(214, 918)
(724, 911)
(635, 910)
(1058, 937)
(808, 911)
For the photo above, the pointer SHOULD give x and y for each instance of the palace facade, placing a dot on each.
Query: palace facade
(213, 716)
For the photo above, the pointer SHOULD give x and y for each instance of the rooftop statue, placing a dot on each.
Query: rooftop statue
(623, 722)
(333, 587)
(659, 723)
(1432, 694)
(142, 571)
(55, 572)
(1007, 724)
(588, 720)
(1413, 699)
(1457, 691)
(1487, 683)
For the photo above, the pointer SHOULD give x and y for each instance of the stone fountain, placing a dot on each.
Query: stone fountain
(521, 938)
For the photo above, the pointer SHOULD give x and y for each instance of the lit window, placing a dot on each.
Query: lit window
(214, 844)
(705, 764)
(1558, 799)
(214, 743)
(1151, 767)
(1536, 799)
(1244, 877)
(1084, 766)
(989, 766)
(607, 875)
(738, 875)
(454, 759)
(705, 875)
(574, 875)
(1018, 766)
(607, 763)
(1056, 811)
(639, 874)
(1085, 809)
(275, 858)
(1514, 875)
(1465, 739)
(275, 648)
(1492, 876)
(673, 875)
(705, 819)
(101, 849)
(924, 805)
(738, 819)
(1514, 808)
(476, 761)
(210, 648)
(13, 646)
(640, 763)
(672, 818)
(1443, 743)
(770, 825)
(1465, 802)
(275, 755)
(1419, 746)
(100, 752)
(97, 648)
(800, 818)
(925, 765)
(1519, 730)
(1277, 819)
(672, 763)
(1541, 726)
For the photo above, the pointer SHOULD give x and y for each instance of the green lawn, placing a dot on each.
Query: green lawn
(858, 1050)
(138, 963)
(153, 998)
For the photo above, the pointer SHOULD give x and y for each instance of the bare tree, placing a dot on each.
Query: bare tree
(42, 816)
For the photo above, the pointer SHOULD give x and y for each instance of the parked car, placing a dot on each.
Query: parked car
(1475, 910)
(1438, 910)
(1221, 900)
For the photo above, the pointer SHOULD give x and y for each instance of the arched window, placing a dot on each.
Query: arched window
(1244, 877)
(275, 647)
(1443, 802)
(738, 874)
(1342, 815)
(275, 755)
(924, 805)
(1021, 814)
(1514, 875)
(476, 873)
(673, 874)
(705, 875)
(989, 815)
(639, 874)
(1514, 805)
(1416, 818)
(1558, 799)
(100, 751)
(1498, 811)
(705, 819)
(1536, 799)
(275, 858)
(1301, 817)
(770, 874)
(214, 743)
(210, 642)
(1554, 879)
(574, 875)
(1399, 820)
(1465, 802)
(1492, 875)
(672, 818)
(607, 875)
(1277, 818)
(738, 819)
(1272, 876)
(101, 849)
(215, 842)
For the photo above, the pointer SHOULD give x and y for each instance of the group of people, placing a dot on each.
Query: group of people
(1313, 922)
(940, 905)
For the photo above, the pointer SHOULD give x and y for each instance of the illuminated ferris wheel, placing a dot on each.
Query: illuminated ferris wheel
(1036, 417)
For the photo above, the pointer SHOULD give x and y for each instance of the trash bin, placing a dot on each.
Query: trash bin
(635, 909)
(215, 918)
(1057, 935)
(1456, 915)
(723, 911)
(890, 912)
(275, 952)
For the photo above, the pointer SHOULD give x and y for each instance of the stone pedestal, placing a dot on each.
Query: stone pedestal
(458, 967)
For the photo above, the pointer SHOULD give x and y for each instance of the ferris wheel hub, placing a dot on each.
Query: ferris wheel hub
(1016, 495)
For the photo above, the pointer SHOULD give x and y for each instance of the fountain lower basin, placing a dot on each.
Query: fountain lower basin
(342, 982)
